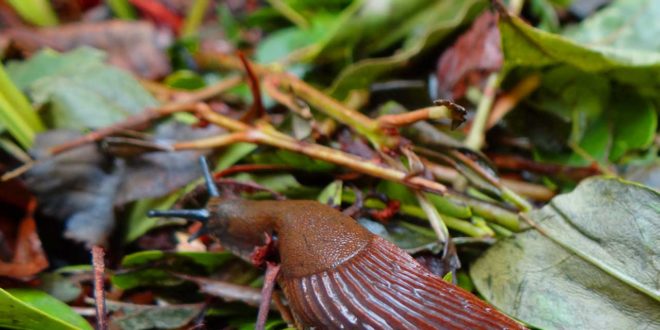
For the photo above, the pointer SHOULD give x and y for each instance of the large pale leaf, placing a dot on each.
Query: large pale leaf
(631, 24)
(596, 267)
(525, 46)
(82, 91)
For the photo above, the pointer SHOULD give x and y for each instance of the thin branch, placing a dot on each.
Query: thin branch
(272, 270)
(408, 118)
(362, 124)
(98, 255)
(508, 101)
(257, 110)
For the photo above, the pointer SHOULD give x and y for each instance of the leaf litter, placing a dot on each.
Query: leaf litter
(576, 103)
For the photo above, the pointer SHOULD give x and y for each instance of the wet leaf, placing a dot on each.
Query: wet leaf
(135, 46)
(34, 309)
(81, 91)
(599, 258)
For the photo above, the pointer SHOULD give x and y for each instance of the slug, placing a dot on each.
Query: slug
(335, 273)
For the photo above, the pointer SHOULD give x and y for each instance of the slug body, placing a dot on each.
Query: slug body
(336, 274)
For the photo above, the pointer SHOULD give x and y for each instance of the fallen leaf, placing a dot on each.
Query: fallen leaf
(593, 264)
(471, 58)
(29, 258)
(78, 187)
(135, 46)
(138, 317)
(155, 174)
(80, 90)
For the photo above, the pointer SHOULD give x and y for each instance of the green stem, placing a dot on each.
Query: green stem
(434, 217)
(459, 225)
(37, 12)
(493, 213)
(362, 124)
(290, 13)
(194, 17)
(19, 102)
(475, 138)
(122, 9)
(18, 128)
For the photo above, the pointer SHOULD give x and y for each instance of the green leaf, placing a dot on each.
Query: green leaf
(525, 46)
(429, 27)
(81, 90)
(34, 309)
(596, 268)
(624, 24)
(604, 86)
(151, 268)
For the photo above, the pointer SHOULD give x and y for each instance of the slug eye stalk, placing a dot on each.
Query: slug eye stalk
(201, 215)
(208, 178)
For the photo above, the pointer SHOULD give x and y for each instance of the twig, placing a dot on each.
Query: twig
(408, 118)
(287, 100)
(505, 103)
(188, 103)
(257, 108)
(362, 124)
(272, 270)
(98, 255)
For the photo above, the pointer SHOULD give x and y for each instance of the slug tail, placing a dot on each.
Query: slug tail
(383, 287)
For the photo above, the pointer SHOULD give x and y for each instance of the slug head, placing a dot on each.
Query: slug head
(239, 227)
(202, 215)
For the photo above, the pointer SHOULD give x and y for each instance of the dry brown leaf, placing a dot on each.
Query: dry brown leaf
(471, 59)
(29, 258)
(135, 46)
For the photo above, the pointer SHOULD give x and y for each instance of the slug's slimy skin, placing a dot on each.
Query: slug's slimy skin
(336, 274)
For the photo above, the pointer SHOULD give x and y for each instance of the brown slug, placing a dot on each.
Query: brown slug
(335, 273)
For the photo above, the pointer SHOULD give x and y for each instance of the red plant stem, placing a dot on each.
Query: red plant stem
(140, 119)
(272, 270)
(98, 255)
(159, 13)
(258, 106)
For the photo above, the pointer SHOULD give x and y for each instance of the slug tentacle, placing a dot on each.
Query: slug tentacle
(382, 287)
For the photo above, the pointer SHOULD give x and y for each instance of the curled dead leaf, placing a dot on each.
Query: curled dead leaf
(29, 258)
